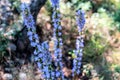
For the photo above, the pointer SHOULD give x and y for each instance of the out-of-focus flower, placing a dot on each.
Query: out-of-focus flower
(80, 20)
(55, 3)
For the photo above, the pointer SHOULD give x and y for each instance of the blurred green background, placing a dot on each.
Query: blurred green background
(101, 57)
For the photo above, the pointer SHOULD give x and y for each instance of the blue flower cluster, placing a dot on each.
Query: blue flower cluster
(55, 3)
(30, 24)
(79, 43)
(57, 36)
(42, 55)
(80, 20)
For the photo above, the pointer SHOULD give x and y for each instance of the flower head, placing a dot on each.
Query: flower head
(55, 3)
(80, 20)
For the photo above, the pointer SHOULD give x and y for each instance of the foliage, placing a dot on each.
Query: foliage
(116, 68)
(3, 45)
(106, 73)
(94, 47)
(117, 18)
(9, 26)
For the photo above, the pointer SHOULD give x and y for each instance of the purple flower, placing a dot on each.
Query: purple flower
(29, 33)
(36, 58)
(41, 50)
(40, 55)
(60, 28)
(48, 75)
(36, 36)
(78, 71)
(39, 64)
(59, 33)
(33, 44)
(35, 52)
(80, 20)
(55, 3)
(30, 38)
(57, 74)
(79, 63)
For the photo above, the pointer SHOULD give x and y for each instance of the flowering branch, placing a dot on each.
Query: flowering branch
(80, 20)
(42, 55)
(57, 35)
